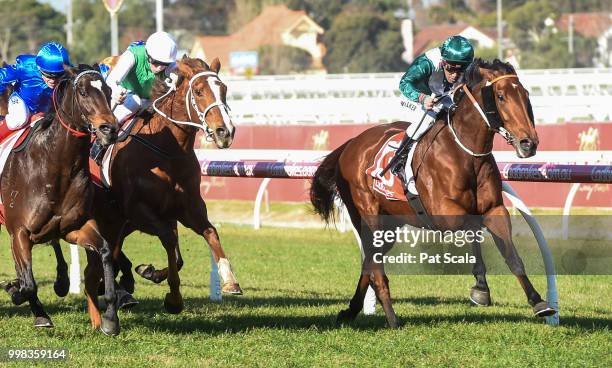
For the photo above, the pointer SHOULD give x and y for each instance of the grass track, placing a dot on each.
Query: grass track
(295, 282)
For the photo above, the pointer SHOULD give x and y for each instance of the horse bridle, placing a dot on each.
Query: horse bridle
(77, 133)
(190, 98)
(490, 115)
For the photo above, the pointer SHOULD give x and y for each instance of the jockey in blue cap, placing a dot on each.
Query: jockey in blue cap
(33, 79)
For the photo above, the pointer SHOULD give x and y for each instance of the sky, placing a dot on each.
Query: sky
(57, 4)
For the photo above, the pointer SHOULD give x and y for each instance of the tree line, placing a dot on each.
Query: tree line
(360, 35)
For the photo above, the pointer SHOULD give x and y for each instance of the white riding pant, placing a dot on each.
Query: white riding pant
(414, 112)
(18, 114)
(132, 104)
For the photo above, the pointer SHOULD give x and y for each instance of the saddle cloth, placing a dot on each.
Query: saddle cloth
(390, 185)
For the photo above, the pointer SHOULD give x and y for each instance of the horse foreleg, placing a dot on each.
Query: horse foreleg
(230, 283)
(498, 223)
(99, 265)
(196, 218)
(21, 247)
(62, 281)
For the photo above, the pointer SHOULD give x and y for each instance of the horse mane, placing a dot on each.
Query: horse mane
(473, 76)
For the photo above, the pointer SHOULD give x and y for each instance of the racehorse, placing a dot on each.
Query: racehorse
(47, 192)
(61, 285)
(155, 175)
(456, 176)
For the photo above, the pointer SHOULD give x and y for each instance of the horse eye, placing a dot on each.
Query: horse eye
(501, 97)
(82, 92)
(198, 92)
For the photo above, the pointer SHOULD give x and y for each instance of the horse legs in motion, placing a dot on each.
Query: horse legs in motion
(97, 249)
(61, 286)
(196, 219)
(497, 221)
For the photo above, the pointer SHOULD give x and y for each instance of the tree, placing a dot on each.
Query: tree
(542, 46)
(362, 41)
(26, 25)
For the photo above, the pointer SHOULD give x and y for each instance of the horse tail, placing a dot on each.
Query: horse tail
(323, 187)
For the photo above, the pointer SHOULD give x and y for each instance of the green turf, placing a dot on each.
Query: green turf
(295, 282)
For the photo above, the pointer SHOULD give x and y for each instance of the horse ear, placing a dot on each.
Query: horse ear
(184, 69)
(185, 57)
(215, 66)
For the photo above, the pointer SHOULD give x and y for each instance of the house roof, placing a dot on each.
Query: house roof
(434, 35)
(265, 29)
(587, 24)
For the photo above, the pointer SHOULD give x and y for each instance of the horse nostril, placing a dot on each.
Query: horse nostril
(526, 144)
(221, 132)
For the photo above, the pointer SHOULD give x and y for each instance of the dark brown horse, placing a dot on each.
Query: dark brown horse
(451, 179)
(155, 175)
(48, 195)
(62, 281)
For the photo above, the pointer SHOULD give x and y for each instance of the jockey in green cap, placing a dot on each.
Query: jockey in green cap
(435, 72)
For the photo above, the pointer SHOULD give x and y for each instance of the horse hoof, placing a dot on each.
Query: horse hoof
(43, 322)
(110, 327)
(231, 288)
(480, 298)
(61, 287)
(145, 271)
(125, 300)
(393, 323)
(12, 289)
(345, 316)
(542, 309)
(172, 307)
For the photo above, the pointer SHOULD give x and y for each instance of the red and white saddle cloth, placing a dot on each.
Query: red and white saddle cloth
(11, 141)
(390, 185)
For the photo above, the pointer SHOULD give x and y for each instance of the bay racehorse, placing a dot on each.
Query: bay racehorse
(456, 176)
(47, 193)
(61, 285)
(155, 175)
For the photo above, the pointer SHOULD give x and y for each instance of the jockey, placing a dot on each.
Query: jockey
(435, 72)
(33, 79)
(131, 79)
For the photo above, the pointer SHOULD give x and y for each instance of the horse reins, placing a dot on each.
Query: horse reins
(74, 132)
(494, 113)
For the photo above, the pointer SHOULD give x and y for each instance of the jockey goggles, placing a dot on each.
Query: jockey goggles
(52, 75)
(156, 62)
(453, 68)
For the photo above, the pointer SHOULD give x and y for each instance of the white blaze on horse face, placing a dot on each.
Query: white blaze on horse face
(514, 85)
(216, 89)
(96, 84)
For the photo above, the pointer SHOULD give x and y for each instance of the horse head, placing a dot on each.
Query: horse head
(86, 100)
(506, 105)
(205, 98)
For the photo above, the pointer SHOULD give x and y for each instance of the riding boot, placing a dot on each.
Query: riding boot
(398, 169)
(398, 162)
